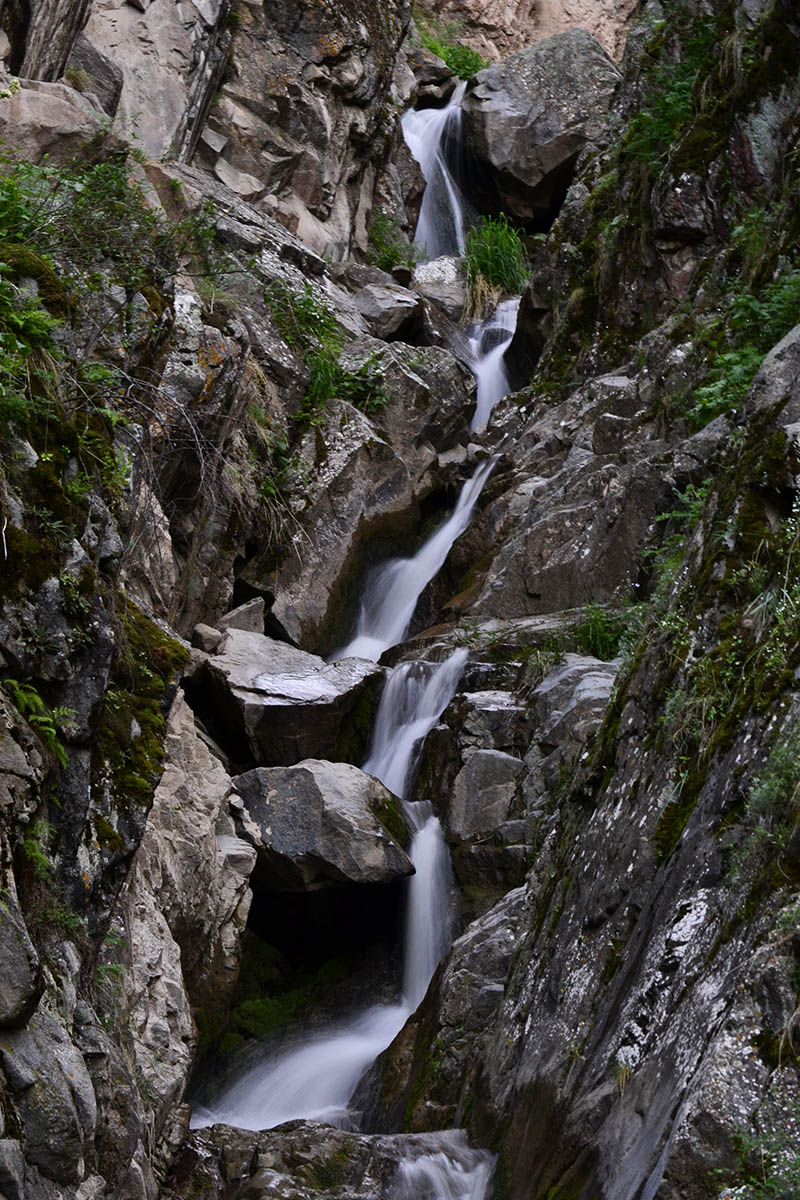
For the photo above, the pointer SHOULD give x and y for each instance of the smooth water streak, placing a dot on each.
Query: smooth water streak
(489, 344)
(433, 135)
(393, 589)
(413, 700)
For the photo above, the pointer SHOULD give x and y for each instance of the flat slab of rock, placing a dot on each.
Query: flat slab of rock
(528, 118)
(444, 281)
(320, 823)
(286, 704)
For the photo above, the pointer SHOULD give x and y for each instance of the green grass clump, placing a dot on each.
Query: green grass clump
(495, 261)
(599, 633)
(442, 40)
(309, 327)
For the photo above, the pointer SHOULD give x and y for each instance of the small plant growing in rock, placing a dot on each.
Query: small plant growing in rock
(46, 721)
(599, 633)
(307, 325)
(442, 40)
(387, 248)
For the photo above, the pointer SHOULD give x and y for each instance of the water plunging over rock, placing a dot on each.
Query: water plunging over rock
(392, 592)
(489, 344)
(433, 136)
(317, 1079)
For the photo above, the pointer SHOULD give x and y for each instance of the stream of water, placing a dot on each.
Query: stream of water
(433, 136)
(317, 1078)
(393, 589)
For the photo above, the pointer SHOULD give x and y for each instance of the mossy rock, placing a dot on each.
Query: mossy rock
(24, 263)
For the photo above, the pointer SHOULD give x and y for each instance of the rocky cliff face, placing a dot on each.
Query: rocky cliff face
(215, 417)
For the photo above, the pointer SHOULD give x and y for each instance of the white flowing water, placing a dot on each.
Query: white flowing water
(316, 1080)
(433, 135)
(450, 1170)
(489, 344)
(393, 589)
(412, 702)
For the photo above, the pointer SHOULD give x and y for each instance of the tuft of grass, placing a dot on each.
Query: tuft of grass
(387, 248)
(309, 327)
(442, 40)
(495, 261)
(599, 633)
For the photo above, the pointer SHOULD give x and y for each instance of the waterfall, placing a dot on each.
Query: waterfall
(433, 135)
(450, 1170)
(317, 1079)
(489, 344)
(392, 591)
(411, 704)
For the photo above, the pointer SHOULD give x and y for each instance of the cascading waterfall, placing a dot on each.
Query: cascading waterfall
(433, 135)
(489, 344)
(412, 703)
(392, 591)
(316, 1080)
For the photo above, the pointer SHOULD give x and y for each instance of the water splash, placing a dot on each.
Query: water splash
(449, 1170)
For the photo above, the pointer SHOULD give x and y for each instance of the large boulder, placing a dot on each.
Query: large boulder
(282, 705)
(320, 823)
(51, 120)
(527, 119)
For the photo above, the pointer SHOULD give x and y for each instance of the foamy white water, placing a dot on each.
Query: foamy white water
(489, 344)
(415, 696)
(448, 1169)
(393, 589)
(433, 135)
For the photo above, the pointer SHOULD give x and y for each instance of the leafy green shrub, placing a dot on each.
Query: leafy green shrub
(308, 325)
(669, 104)
(387, 246)
(754, 323)
(495, 260)
(442, 41)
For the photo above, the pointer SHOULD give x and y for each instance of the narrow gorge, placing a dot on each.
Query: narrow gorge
(400, 621)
